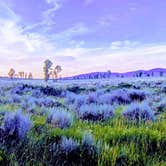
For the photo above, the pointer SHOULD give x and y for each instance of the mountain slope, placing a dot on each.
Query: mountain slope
(157, 72)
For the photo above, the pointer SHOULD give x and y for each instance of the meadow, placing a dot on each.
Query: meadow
(104, 122)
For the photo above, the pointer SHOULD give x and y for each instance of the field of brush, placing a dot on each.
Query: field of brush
(83, 122)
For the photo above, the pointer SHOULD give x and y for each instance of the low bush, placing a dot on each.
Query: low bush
(114, 97)
(71, 152)
(95, 112)
(136, 95)
(15, 127)
(60, 118)
(138, 112)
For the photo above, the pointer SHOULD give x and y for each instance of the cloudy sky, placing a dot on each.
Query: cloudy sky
(82, 35)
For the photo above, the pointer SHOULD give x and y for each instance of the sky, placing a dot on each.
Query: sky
(82, 35)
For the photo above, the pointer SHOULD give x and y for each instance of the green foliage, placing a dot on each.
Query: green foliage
(1, 156)
(39, 120)
(123, 142)
(10, 107)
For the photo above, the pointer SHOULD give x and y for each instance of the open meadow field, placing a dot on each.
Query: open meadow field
(104, 122)
(83, 83)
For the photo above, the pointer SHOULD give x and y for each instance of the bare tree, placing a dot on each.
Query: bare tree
(11, 73)
(21, 74)
(47, 66)
(56, 71)
(55, 74)
(30, 76)
(26, 76)
(58, 68)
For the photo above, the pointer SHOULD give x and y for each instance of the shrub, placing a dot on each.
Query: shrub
(90, 150)
(36, 93)
(14, 98)
(163, 88)
(95, 112)
(80, 100)
(136, 95)
(124, 85)
(3, 158)
(138, 112)
(65, 152)
(50, 91)
(18, 89)
(76, 89)
(92, 98)
(123, 96)
(88, 140)
(2, 92)
(159, 107)
(68, 145)
(29, 104)
(116, 96)
(2, 100)
(120, 97)
(47, 102)
(16, 125)
(70, 152)
(21, 89)
(70, 97)
(60, 118)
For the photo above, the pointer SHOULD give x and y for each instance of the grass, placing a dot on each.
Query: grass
(121, 142)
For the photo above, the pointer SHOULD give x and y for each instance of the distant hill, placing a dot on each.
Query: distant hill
(158, 72)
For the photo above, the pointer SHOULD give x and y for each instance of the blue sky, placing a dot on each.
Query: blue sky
(82, 35)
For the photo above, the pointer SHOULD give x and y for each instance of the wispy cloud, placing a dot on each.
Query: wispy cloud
(76, 30)
(6, 13)
(30, 50)
(116, 45)
(25, 48)
(50, 12)
(18, 48)
(47, 18)
(129, 56)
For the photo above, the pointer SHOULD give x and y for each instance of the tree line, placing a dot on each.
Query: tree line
(51, 71)
(24, 75)
(48, 72)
